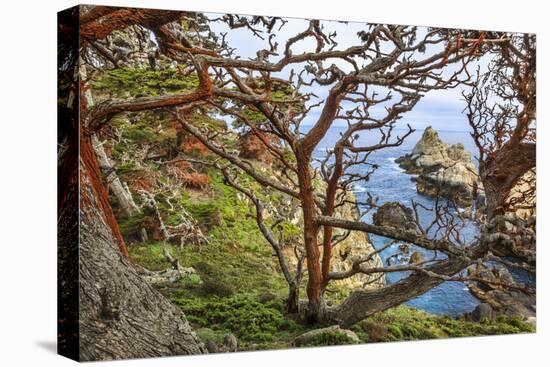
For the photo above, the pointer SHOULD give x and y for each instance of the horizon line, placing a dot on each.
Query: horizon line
(403, 129)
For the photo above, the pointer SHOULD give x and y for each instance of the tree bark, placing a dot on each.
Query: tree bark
(293, 301)
(121, 315)
(105, 309)
(364, 303)
(315, 309)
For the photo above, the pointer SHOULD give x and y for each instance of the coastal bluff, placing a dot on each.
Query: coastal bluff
(443, 169)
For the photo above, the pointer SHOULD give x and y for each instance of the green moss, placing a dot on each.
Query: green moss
(207, 334)
(132, 82)
(125, 168)
(130, 226)
(149, 256)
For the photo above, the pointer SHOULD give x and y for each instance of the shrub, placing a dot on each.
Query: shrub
(130, 226)
(245, 317)
(216, 288)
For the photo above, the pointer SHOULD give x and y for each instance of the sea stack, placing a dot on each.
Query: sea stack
(443, 169)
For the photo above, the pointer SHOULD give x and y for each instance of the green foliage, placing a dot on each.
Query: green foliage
(291, 230)
(405, 323)
(203, 119)
(280, 92)
(216, 288)
(207, 334)
(247, 318)
(149, 256)
(227, 217)
(125, 168)
(207, 213)
(130, 226)
(145, 128)
(133, 82)
(139, 133)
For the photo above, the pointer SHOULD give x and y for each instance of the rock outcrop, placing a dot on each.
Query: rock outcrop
(393, 214)
(502, 300)
(522, 199)
(356, 245)
(483, 311)
(332, 335)
(443, 170)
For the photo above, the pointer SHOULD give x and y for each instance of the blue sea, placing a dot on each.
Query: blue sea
(390, 183)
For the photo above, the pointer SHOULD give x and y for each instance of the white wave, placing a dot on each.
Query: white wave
(358, 188)
(394, 165)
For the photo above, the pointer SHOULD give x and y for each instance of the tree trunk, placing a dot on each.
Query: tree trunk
(315, 308)
(292, 302)
(364, 303)
(121, 315)
(123, 196)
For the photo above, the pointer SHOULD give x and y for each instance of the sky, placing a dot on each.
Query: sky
(441, 109)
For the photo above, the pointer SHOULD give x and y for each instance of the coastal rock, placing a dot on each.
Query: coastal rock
(443, 169)
(458, 183)
(394, 214)
(502, 300)
(211, 346)
(230, 343)
(356, 245)
(495, 274)
(314, 337)
(483, 311)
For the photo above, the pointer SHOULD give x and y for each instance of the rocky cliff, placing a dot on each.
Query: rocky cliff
(443, 169)
(356, 245)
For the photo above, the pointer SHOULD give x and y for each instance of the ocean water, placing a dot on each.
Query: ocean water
(390, 183)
